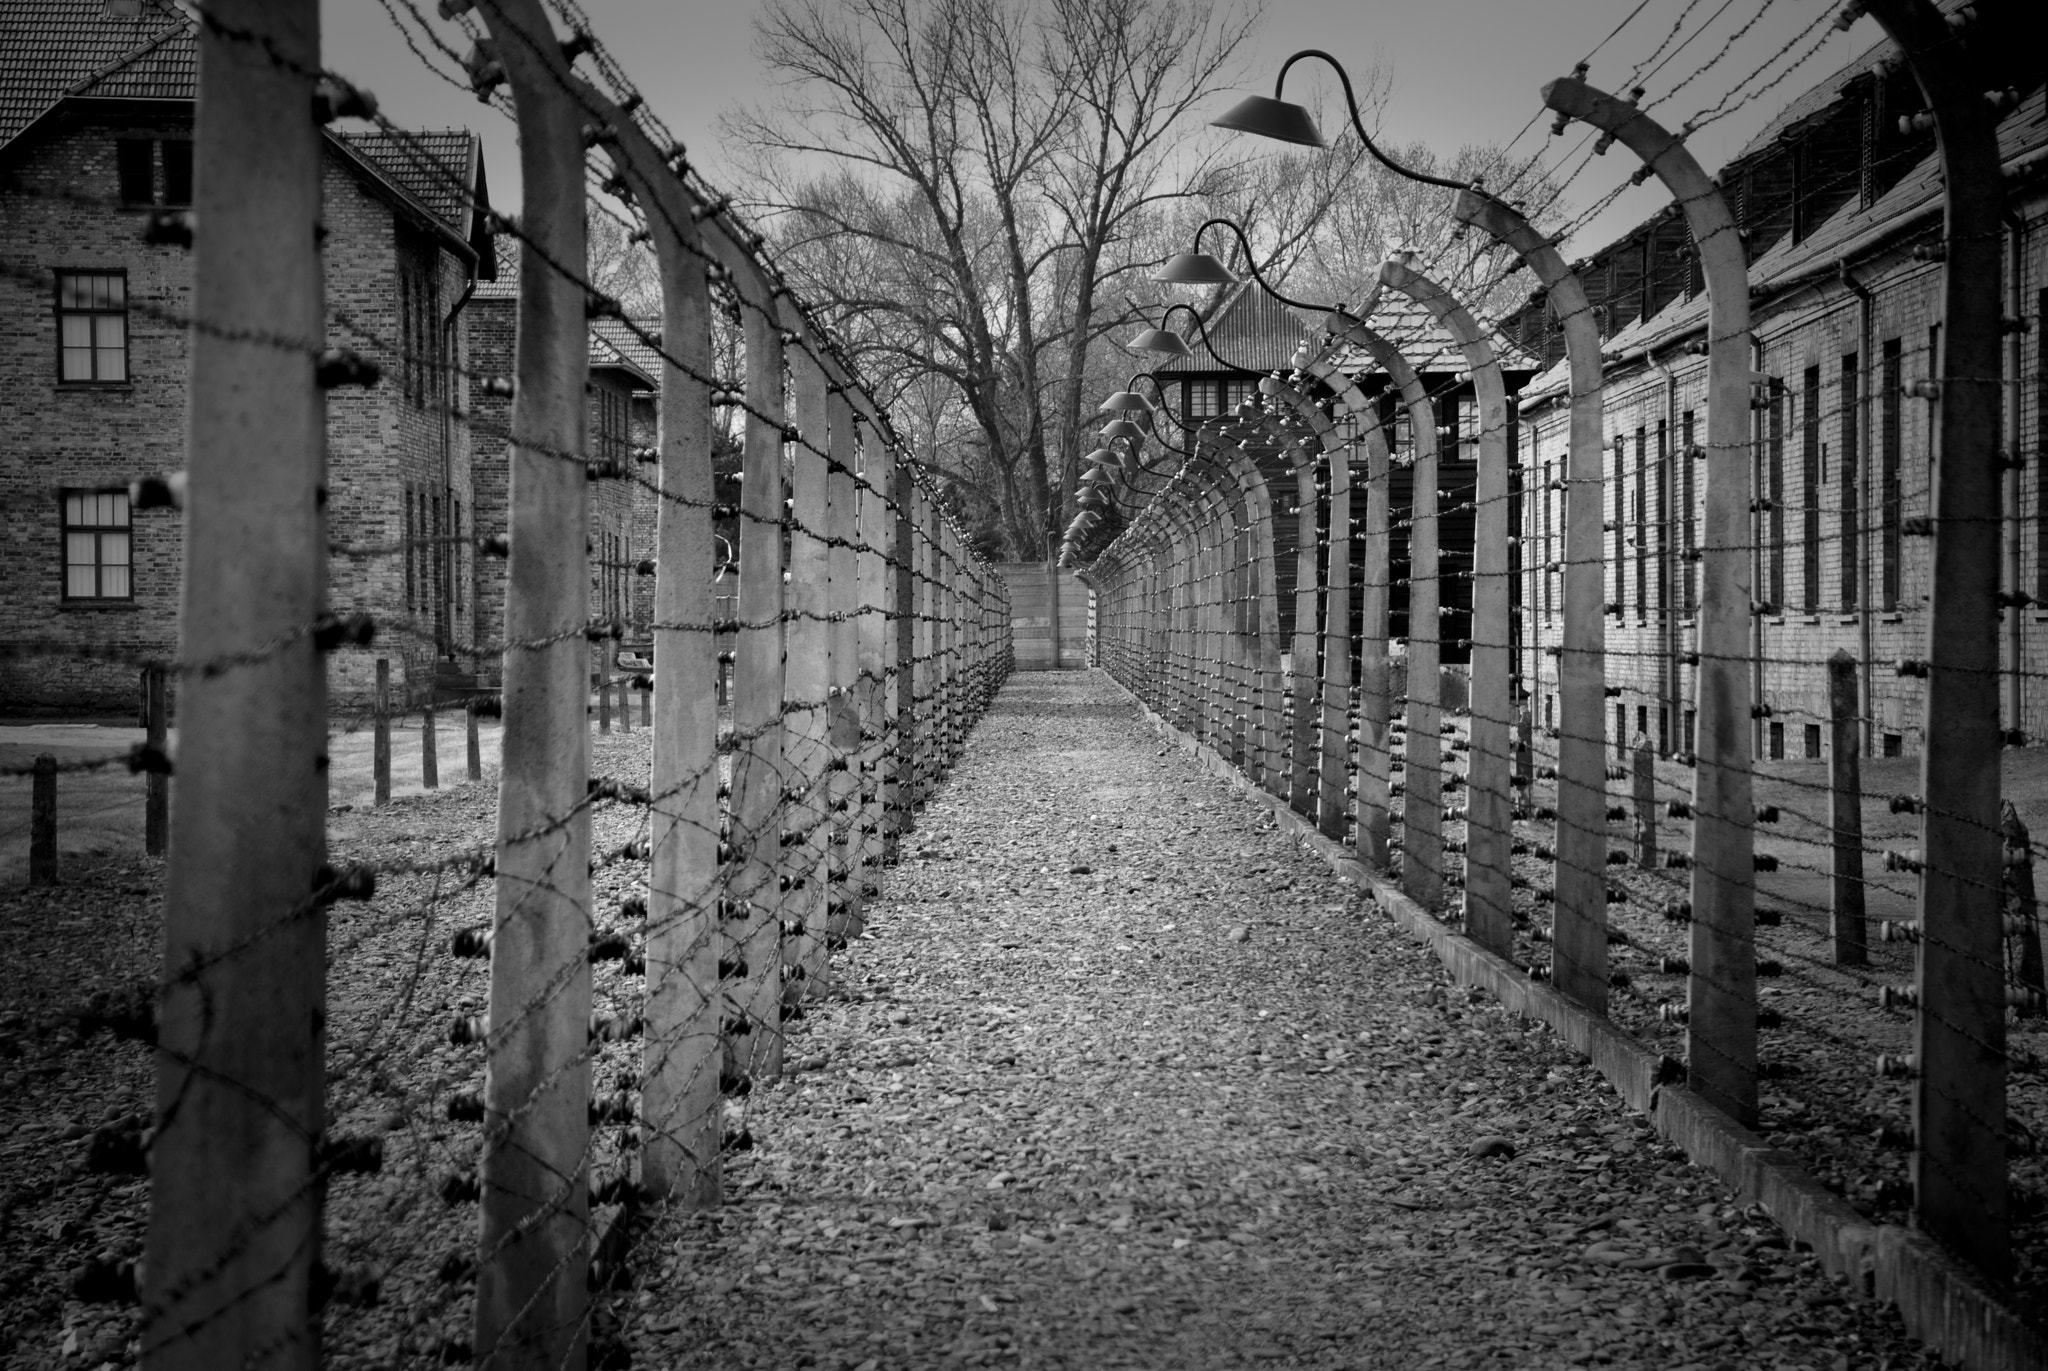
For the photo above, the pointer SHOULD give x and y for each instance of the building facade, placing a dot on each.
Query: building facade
(96, 119)
(1840, 205)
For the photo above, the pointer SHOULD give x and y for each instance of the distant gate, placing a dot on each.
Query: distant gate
(1039, 592)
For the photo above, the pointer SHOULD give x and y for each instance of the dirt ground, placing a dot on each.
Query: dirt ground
(1119, 1076)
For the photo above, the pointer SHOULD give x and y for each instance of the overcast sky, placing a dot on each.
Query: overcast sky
(1464, 71)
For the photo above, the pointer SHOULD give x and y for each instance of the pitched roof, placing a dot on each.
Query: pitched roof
(51, 49)
(1249, 329)
(607, 354)
(630, 345)
(436, 167)
(1910, 206)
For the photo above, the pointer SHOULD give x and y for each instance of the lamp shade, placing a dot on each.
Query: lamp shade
(1121, 428)
(1194, 269)
(1125, 399)
(1102, 456)
(1270, 118)
(1160, 340)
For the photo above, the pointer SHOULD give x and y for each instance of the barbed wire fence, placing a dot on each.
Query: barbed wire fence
(1664, 786)
(654, 914)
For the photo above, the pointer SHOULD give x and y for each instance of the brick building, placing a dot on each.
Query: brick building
(1841, 208)
(96, 117)
(619, 417)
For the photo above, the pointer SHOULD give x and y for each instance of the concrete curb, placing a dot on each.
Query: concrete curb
(1942, 1303)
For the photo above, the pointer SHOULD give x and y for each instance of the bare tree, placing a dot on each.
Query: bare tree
(961, 179)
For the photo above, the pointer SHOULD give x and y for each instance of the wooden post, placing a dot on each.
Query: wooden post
(625, 704)
(42, 822)
(647, 706)
(1960, 1186)
(156, 785)
(1579, 908)
(380, 733)
(1643, 778)
(1845, 810)
(604, 691)
(900, 755)
(1721, 989)
(1489, 826)
(430, 760)
(2023, 916)
(234, 1209)
(532, 1256)
(473, 743)
(681, 1052)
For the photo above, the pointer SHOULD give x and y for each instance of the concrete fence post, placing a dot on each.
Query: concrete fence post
(681, 1055)
(1422, 812)
(1721, 988)
(754, 869)
(1960, 1187)
(233, 1231)
(1489, 823)
(531, 1298)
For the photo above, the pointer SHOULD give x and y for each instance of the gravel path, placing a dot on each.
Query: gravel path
(1121, 1076)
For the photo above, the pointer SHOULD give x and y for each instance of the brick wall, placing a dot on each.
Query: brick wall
(80, 658)
(1814, 583)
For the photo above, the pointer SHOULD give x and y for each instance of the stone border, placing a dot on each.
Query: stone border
(1941, 1302)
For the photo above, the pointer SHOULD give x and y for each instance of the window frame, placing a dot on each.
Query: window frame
(59, 314)
(65, 528)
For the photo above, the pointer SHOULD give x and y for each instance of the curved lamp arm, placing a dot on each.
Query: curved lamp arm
(1202, 332)
(1250, 262)
(1276, 118)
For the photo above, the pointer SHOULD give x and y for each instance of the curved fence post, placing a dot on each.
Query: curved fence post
(1489, 826)
(1721, 988)
(1579, 909)
(1422, 809)
(1960, 1185)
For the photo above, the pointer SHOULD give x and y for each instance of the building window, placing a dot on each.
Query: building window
(1774, 471)
(1688, 503)
(1664, 528)
(1890, 445)
(1620, 524)
(136, 161)
(1777, 742)
(1810, 479)
(92, 327)
(1642, 522)
(1812, 742)
(1894, 745)
(96, 548)
(1850, 403)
